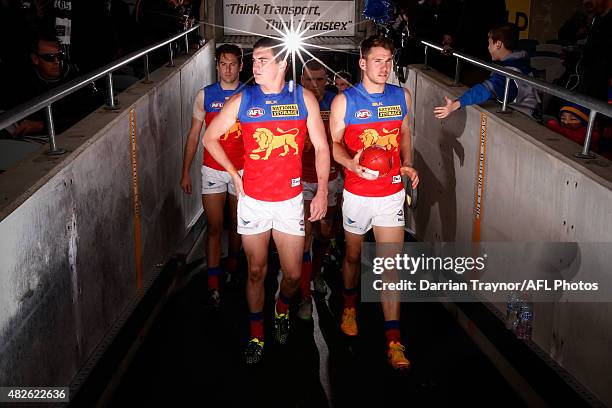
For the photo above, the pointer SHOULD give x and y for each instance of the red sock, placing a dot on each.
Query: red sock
(213, 282)
(393, 335)
(392, 331)
(306, 276)
(213, 277)
(350, 298)
(257, 330)
(282, 304)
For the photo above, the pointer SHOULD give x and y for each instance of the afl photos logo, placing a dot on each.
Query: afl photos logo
(216, 105)
(255, 112)
(363, 114)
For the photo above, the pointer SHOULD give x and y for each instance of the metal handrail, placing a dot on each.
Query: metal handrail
(596, 106)
(44, 101)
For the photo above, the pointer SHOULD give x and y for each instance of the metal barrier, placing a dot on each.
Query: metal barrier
(596, 106)
(46, 100)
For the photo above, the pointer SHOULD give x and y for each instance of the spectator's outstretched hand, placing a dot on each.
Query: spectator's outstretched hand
(442, 112)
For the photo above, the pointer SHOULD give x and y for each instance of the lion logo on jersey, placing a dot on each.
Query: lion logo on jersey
(268, 141)
(235, 129)
(388, 140)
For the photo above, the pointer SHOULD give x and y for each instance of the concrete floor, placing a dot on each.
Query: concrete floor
(193, 356)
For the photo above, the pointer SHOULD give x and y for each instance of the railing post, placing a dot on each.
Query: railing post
(146, 69)
(53, 150)
(426, 67)
(504, 108)
(457, 73)
(110, 104)
(186, 44)
(170, 56)
(585, 154)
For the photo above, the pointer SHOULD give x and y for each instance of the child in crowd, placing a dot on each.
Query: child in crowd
(503, 47)
(572, 123)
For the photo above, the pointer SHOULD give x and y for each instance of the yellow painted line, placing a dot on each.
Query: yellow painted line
(480, 178)
(136, 200)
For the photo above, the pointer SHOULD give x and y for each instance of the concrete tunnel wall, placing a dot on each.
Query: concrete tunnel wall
(534, 191)
(67, 240)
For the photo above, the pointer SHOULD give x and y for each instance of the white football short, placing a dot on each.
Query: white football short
(217, 181)
(256, 216)
(360, 213)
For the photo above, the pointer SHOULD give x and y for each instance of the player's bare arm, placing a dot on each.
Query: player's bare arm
(217, 128)
(337, 128)
(316, 132)
(406, 145)
(191, 146)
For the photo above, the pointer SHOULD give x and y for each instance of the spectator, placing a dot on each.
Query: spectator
(342, 80)
(572, 123)
(49, 70)
(596, 57)
(575, 29)
(503, 42)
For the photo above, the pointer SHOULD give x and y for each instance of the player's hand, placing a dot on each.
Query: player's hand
(355, 167)
(318, 206)
(412, 174)
(450, 106)
(186, 183)
(237, 179)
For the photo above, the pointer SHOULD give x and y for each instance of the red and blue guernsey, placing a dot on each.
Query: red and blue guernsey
(214, 98)
(273, 130)
(309, 170)
(374, 119)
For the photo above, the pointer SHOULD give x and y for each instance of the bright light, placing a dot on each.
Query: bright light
(293, 41)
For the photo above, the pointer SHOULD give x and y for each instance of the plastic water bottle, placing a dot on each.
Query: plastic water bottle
(525, 320)
(513, 304)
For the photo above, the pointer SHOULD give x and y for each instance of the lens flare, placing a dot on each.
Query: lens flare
(292, 40)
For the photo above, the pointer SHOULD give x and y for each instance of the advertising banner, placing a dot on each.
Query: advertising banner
(264, 17)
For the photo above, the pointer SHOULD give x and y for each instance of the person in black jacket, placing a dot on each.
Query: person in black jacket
(596, 58)
(50, 69)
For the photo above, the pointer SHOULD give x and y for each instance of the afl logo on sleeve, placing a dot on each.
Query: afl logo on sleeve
(255, 112)
(363, 114)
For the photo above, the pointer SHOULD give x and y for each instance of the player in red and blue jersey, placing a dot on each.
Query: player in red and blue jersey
(318, 235)
(275, 117)
(373, 113)
(215, 180)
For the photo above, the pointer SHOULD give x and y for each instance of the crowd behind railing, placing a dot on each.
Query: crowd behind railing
(52, 44)
(579, 60)
(49, 44)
